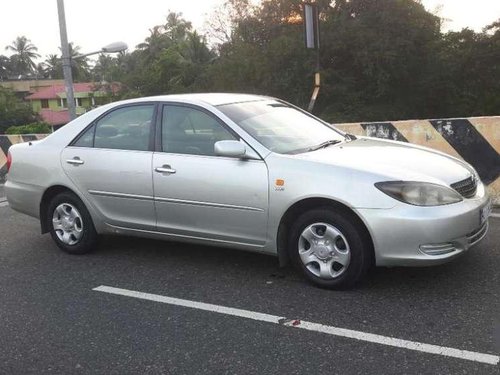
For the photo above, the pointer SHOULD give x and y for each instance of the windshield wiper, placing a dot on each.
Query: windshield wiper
(350, 137)
(324, 144)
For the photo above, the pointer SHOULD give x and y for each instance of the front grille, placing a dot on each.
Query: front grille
(466, 188)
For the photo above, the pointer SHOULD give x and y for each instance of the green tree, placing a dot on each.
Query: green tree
(377, 59)
(265, 53)
(104, 68)
(79, 65)
(5, 67)
(173, 58)
(176, 28)
(13, 111)
(469, 72)
(153, 44)
(24, 55)
(52, 67)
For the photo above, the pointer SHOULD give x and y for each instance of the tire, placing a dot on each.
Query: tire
(70, 224)
(329, 248)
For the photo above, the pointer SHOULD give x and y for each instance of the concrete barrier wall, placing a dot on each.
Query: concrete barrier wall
(476, 140)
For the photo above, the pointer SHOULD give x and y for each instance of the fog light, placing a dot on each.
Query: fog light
(438, 249)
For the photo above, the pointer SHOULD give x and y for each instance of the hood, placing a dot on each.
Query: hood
(393, 160)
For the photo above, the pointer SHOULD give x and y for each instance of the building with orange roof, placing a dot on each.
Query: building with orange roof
(51, 103)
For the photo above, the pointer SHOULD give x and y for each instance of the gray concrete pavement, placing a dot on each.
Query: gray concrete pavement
(52, 321)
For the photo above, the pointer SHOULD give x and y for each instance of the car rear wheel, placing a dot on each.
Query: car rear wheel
(70, 224)
(329, 248)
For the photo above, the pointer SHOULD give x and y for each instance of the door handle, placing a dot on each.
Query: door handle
(165, 169)
(75, 161)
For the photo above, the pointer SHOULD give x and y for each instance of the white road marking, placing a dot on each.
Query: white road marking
(495, 215)
(309, 326)
(4, 204)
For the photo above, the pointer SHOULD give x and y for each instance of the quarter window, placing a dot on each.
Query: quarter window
(188, 130)
(86, 139)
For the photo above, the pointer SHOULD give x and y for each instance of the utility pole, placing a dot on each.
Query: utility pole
(66, 61)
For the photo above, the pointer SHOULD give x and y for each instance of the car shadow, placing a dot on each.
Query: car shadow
(460, 274)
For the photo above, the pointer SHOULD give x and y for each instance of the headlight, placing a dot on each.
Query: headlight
(419, 193)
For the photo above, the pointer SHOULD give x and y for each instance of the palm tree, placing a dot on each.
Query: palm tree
(154, 43)
(196, 49)
(5, 67)
(79, 65)
(40, 71)
(53, 66)
(24, 54)
(177, 27)
(103, 68)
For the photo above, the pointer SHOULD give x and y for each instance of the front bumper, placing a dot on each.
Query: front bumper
(423, 236)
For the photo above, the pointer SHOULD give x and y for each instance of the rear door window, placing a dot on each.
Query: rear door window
(127, 128)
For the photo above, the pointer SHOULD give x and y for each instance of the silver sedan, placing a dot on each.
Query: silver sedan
(252, 173)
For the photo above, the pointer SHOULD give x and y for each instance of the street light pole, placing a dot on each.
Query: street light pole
(66, 61)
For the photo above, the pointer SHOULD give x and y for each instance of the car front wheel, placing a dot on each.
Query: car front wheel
(330, 248)
(70, 224)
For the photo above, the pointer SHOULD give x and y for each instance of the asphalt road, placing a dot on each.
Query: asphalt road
(51, 321)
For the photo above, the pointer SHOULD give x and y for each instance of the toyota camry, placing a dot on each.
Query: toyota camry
(252, 173)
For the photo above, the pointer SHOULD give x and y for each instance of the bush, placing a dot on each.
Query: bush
(13, 111)
(34, 128)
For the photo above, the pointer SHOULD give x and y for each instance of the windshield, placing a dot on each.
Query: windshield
(280, 127)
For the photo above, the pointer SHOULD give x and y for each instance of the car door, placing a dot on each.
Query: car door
(110, 163)
(199, 194)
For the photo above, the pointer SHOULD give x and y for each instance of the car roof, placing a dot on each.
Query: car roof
(213, 99)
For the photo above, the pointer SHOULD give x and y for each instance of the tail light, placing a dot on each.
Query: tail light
(9, 160)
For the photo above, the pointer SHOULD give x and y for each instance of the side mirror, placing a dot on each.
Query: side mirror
(232, 149)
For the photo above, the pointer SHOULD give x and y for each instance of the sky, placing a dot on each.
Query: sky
(93, 24)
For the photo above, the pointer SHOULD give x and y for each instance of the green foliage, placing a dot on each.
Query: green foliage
(376, 58)
(470, 73)
(24, 53)
(379, 60)
(172, 59)
(265, 54)
(13, 111)
(52, 67)
(34, 128)
(21, 64)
